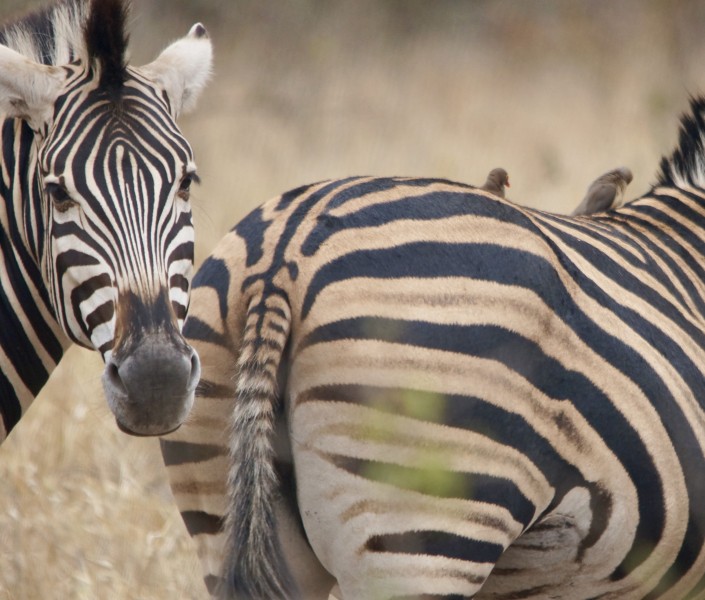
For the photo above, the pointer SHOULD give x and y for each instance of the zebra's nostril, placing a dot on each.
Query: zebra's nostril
(195, 375)
(112, 374)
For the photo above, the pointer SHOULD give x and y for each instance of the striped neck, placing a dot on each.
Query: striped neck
(31, 341)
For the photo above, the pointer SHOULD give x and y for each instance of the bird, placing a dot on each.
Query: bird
(607, 191)
(496, 181)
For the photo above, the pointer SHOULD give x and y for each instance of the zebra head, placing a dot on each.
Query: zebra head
(111, 222)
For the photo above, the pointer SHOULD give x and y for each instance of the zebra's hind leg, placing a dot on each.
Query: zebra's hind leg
(397, 507)
(197, 465)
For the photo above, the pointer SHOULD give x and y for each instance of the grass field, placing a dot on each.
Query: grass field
(555, 91)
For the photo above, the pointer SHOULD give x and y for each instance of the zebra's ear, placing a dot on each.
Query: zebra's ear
(28, 89)
(183, 69)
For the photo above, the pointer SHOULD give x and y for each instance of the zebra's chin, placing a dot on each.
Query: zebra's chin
(151, 390)
(124, 429)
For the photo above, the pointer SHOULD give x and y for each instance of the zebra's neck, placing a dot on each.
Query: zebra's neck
(31, 341)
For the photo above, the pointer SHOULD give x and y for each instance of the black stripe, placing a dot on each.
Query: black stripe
(436, 543)
(383, 184)
(81, 293)
(12, 245)
(195, 329)
(14, 339)
(288, 198)
(687, 225)
(100, 315)
(198, 522)
(429, 260)
(540, 591)
(212, 582)
(434, 596)
(10, 409)
(177, 280)
(214, 273)
(432, 206)
(179, 453)
(441, 483)
(252, 229)
(180, 311)
(209, 389)
(184, 251)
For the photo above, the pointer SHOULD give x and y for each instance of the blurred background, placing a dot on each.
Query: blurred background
(555, 91)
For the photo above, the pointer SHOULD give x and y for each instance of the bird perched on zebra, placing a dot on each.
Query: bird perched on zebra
(496, 181)
(605, 193)
(461, 398)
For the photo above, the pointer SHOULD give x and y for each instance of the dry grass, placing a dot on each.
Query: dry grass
(557, 92)
(85, 509)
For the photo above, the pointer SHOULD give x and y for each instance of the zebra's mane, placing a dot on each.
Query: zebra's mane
(686, 166)
(93, 31)
(106, 41)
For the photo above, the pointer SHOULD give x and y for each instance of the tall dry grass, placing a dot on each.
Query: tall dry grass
(555, 91)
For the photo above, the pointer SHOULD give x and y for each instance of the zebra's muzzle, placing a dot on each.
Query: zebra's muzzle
(151, 390)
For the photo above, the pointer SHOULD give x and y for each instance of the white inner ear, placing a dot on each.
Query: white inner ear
(183, 69)
(28, 89)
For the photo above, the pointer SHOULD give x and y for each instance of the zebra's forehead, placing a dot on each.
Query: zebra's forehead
(91, 127)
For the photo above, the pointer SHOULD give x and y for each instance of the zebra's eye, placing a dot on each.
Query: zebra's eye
(60, 197)
(185, 185)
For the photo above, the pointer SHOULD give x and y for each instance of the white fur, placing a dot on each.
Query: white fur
(27, 89)
(183, 69)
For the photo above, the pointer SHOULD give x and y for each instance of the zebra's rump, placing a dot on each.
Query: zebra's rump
(480, 399)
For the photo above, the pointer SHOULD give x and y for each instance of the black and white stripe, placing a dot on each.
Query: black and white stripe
(96, 239)
(436, 393)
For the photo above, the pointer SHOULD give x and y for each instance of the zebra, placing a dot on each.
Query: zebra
(96, 235)
(415, 389)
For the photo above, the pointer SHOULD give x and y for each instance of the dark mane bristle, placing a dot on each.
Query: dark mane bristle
(686, 166)
(106, 41)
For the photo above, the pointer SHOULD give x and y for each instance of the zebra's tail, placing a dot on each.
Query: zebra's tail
(254, 565)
